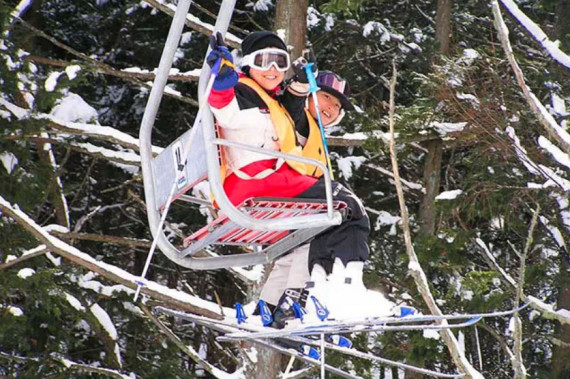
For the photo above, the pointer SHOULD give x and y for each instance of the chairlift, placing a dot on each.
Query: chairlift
(273, 226)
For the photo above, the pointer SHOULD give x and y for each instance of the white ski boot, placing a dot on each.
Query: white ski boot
(316, 294)
(347, 297)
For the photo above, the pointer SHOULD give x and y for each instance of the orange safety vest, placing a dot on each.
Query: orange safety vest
(284, 127)
(314, 148)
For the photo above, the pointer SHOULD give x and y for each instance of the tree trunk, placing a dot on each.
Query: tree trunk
(432, 172)
(432, 168)
(291, 19)
(443, 25)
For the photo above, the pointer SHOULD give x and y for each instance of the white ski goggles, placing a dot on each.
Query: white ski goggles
(264, 59)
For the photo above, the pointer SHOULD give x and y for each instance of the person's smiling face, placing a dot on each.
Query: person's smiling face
(267, 79)
(329, 106)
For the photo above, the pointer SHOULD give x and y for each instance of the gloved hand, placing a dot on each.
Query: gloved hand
(226, 77)
(299, 83)
(299, 69)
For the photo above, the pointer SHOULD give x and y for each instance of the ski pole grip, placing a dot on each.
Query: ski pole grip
(313, 87)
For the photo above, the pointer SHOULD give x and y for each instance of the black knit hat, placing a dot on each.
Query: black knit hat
(260, 40)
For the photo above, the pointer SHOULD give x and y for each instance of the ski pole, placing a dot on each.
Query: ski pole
(180, 170)
(313, 88)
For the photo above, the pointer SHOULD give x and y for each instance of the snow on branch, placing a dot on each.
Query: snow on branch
(537, 33)
(159, 292)
(106, 133)
(548, 312)
(194, 22)
(554, 130)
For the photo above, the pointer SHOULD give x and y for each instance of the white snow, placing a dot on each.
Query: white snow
(107, 324)
(26, 272)
(51, 81)
(554, 231)
(75, 303)
(444, 128)
(17, 111)
(372, 26)
(449, 195)
(15, 311)
(72, 108)
(312, 17)
(469, 97)
(9, 161)
(346, 165)
(72, 71)
(468, 56)
(431, 334)
(560, 156)
(261, 5)
(385, 218)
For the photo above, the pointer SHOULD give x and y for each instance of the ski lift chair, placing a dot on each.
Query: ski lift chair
(273, 225)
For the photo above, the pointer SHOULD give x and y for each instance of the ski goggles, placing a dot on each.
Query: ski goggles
(264, 59)
(332, 80)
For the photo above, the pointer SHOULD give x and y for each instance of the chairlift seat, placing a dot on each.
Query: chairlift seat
(223, 231)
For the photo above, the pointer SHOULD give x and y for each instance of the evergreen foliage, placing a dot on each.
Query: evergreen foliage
(49, 316)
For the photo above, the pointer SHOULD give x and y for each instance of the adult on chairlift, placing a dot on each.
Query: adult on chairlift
(249, 109)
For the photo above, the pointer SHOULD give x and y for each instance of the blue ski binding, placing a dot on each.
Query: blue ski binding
(240, 313)
(265, 313)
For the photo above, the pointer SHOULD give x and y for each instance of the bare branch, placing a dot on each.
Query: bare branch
(548, 312)
(414, 266)
(194, 355)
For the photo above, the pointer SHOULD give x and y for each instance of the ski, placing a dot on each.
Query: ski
(336, 329)
(227, 327)
(231, 327)
(381, 324)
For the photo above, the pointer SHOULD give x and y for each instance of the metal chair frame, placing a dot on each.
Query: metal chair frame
(190, 173)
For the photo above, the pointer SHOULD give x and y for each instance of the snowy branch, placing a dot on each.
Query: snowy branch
(414, 266)
(100, 67)
(194, 22)
(173, 297)
(554, 130)
(537, 33)
(140, 76)
(37, 251)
